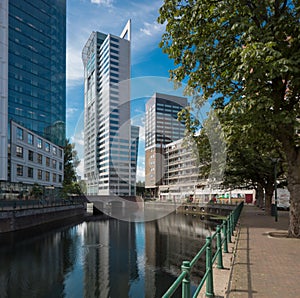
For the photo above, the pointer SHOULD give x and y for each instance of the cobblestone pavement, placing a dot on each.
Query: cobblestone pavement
(266, 263)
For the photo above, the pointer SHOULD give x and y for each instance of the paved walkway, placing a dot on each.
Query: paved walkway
(266, 263)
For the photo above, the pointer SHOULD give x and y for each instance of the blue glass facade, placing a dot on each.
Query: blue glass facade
(37, 67)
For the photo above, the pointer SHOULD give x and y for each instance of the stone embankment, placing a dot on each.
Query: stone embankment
(15, 220)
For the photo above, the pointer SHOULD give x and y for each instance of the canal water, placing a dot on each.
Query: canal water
(103, 258)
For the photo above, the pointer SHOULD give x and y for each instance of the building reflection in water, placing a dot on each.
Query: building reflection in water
(169, 241)
(107, 258)
(37, 266)
(110, 263)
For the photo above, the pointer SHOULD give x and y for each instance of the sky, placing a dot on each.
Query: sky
(149, 65)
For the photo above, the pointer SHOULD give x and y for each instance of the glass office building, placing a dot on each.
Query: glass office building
(37, 67)
(33, 76)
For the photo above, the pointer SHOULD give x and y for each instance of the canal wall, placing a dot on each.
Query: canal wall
(15, 220)
(192, 208)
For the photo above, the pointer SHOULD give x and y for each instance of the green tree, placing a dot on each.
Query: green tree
(36, 191)
(248, 162)
(243, 53)
(71, 162)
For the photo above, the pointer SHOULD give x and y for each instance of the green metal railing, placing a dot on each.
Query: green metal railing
(227, 228)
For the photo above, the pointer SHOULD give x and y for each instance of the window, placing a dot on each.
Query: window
(47, 161)
(60, 152)
(19, 133)
(60, 166)
(39, 143)
(54, 177)
(30, 155)
(53, 163)
(19, 151)
(30, 172)
(30, 138)
(54, 150)
(60, 178)
(47, 147)
(47, 176)
(40, 158)
(39, 174)
(19, 170)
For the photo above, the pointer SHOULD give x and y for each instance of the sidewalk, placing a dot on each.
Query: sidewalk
(266, 263)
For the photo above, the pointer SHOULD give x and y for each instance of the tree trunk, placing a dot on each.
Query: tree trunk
(294, 189)
(259, 196)
(269, 189)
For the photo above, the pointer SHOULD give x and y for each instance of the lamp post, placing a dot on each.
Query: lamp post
(275, 160)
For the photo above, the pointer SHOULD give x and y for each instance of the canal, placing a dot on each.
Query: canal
(102, 258)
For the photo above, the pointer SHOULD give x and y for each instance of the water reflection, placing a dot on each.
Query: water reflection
(103, 258)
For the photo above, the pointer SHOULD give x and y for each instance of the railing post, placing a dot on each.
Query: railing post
(186, 283)
(232, 224)
(229, 229)
(209, 280)
(225, 236)
(219, 248)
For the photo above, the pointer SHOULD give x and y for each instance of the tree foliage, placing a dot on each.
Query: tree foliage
(71, 161)
(246, 56)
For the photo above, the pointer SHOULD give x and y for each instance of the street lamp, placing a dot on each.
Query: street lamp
(275, 160)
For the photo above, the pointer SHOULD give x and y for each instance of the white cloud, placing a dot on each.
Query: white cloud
(152, 29)
(106, 3)
(140, 174)
(74, 67)
(80, 169)
(71, 111)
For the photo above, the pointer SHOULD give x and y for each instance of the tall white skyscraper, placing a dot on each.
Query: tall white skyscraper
(110, 149)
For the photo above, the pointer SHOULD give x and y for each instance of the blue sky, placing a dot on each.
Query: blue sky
(149, 65)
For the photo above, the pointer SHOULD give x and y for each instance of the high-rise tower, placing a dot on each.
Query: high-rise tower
(32, 76)
(162, 127)
(110, 141)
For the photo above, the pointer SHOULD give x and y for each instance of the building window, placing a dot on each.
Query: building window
(53, 163)
(19, 170)
(54, 150)
(19, 151)
(47, 147)
(47, 176)
(59, 178)
(39, 174)
(60, 152)
(30, 138)
(30, 155)
(54, 177)
(40, 158)
(20, 133)
(60, 166)
(30, 172)
(39, 143)
(47, 161)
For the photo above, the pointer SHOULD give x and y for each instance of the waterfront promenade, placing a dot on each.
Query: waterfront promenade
(262, 262)
(265, 262)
